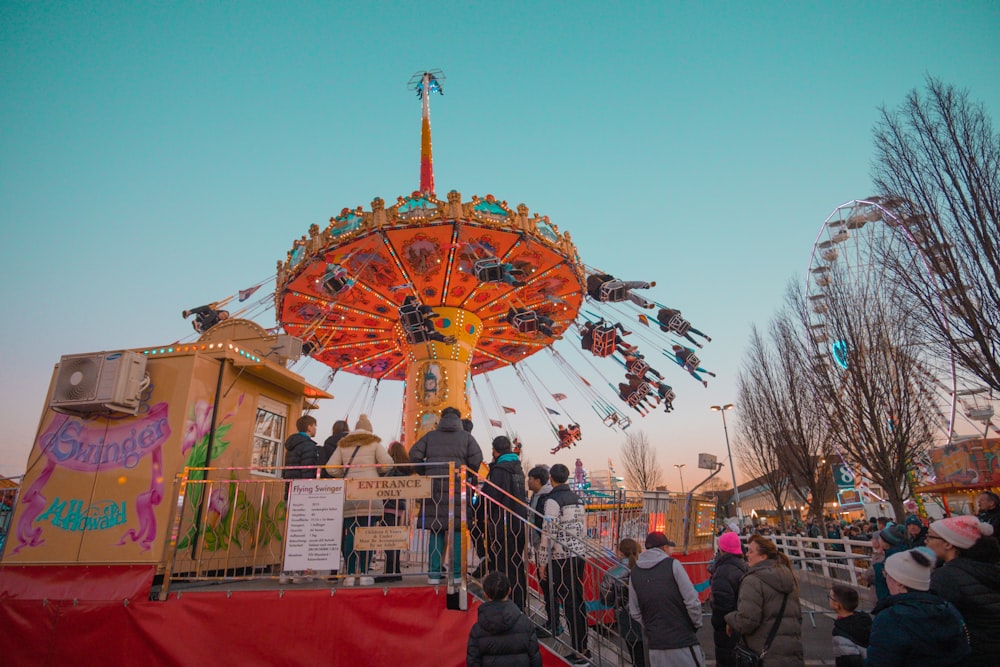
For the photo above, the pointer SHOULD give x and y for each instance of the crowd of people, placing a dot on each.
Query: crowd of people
(937, 585)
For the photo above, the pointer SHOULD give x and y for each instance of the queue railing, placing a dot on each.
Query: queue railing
(505, 536)
(228, 525)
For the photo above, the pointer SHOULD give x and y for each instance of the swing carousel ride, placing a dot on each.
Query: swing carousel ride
(434, 292)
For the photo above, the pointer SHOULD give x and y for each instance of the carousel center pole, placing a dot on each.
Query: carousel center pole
(437, 373)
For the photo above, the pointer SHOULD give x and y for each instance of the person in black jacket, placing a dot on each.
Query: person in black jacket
(503, 636)
(970, 580)
(728, 568)
(852, 629)
(989, 510)
(340, 429)
(505, 499)
(914, 626)
(448, 443)
(301, 450)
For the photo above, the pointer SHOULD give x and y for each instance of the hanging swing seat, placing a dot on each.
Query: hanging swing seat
(411, 317)
(613, 291)
(334, 283)
(691, 363)
(639, 395)
(679, 325)
(525, 322)
(637, 367)
(604, 341)
(488, 270)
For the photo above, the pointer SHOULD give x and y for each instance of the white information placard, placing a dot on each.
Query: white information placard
(315, 524)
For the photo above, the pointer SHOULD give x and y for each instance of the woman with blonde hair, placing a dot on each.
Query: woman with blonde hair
(768, 615)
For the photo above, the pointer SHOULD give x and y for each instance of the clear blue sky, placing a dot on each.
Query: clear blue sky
(157, 156)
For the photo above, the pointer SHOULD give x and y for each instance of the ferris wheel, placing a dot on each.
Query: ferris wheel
(847, 249)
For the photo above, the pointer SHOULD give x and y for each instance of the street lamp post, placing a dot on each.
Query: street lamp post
(729, 452)
(680, 470)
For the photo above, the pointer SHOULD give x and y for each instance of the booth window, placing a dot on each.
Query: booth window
(268, 437)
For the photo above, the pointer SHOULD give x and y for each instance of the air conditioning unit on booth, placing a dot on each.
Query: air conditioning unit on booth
(99, 382)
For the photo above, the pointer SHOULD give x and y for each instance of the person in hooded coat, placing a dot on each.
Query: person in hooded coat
(663, 599)
(914, 626)
(758, 602)
(505, 499)
(729, 567)
(970, 580)
(448, 443)
(503, 636)
(356, 456)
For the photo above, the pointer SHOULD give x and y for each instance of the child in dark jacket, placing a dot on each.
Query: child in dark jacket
(503, 637)
(851, 630)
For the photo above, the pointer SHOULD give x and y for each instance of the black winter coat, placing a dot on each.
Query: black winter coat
(503, 637)
(300, 450)
(449, 442)
(919, 629)
(729, 569)
(974, 588)
(851, 635)
(507, 475)
(992, 517)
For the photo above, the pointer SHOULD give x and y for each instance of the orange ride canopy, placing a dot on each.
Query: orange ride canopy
(429, 249)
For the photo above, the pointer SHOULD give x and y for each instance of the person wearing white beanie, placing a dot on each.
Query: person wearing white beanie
(970, 580)
(914, 626)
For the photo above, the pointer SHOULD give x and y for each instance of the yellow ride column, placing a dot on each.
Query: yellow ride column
(437, 373)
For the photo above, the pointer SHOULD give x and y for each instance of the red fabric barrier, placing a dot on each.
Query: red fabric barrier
(75, 582)
(358, 627)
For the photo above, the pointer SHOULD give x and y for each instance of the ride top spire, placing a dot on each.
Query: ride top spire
(425, 83)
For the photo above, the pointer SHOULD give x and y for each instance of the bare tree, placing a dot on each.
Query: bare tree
(879, 399)
(778, 405)
(642, 471)
(755, 445)
(938, 167)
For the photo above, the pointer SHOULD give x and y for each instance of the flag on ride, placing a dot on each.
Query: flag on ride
(644, 320)
(248, 292)
(496, 423)
(551, 411)
(559, 397)
(509, 411)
